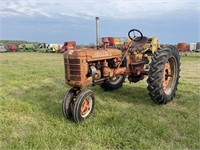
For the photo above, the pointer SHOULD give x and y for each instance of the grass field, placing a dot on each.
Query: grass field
(32, 86)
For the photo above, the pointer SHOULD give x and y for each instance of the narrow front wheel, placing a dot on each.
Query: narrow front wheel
(83, 106)
(67, 104)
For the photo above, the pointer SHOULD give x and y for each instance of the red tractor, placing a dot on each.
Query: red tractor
(183, 48)
(12, 47)
(70, 45)
(108, 67)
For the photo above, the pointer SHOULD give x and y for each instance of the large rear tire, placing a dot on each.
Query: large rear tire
(164, 74)
(114, 83)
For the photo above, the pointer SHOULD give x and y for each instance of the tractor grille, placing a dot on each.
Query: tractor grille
(74, 61)
(72, 70)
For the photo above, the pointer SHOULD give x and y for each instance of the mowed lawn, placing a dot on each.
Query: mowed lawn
(32, 87)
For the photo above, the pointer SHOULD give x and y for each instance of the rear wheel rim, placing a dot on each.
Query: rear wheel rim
(86, 106)
(116, 79)
(169, 75)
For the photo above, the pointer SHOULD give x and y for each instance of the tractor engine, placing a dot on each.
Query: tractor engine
(86, 67)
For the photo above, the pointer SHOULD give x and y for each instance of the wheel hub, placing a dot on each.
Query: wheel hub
(166, 75)
(115, 79)
(86, 106)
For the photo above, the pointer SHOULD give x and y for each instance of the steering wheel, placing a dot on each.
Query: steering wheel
(134, 37)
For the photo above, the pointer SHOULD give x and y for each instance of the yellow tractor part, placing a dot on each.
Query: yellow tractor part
(117, 41)
(152, 44)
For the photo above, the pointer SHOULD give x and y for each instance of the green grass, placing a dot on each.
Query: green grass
(32, 86)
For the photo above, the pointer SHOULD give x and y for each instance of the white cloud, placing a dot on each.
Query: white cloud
(120, 9)
(21, 8)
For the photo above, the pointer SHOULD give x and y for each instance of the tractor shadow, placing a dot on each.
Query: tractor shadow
(127, 93)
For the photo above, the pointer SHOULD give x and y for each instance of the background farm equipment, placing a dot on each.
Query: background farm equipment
(2, 48)
(193, 46)
(114, 42)
(70, 45)
(108, 67)
(55, 48)
(197, 47)
(183, 48)
(28, 47)
(12, 47)
(43, 47)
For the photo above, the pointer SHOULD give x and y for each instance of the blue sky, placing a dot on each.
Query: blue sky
(56, 21)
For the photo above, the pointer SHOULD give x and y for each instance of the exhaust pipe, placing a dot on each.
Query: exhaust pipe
(97, 32)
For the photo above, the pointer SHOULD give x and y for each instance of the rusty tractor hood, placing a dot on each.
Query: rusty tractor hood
(93, 54)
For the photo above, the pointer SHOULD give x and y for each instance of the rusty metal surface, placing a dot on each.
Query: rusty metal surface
(70, 45)
(94, 54)
(183, 47)
(104, 63)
